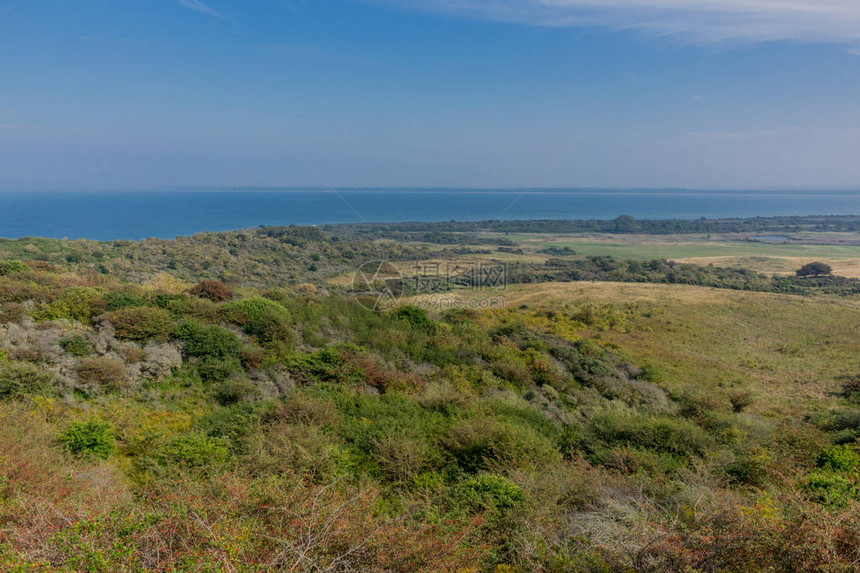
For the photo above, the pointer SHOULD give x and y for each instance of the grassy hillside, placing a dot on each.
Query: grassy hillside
(163, 425)
(791, 353)
(225, 402)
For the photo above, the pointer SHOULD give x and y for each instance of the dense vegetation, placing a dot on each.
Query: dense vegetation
(288, 256)
(447, 232)
(170, 425)
(261, 257)
(659, 271)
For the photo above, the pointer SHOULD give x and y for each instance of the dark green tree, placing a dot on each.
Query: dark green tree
(626, 224)
(815, 269)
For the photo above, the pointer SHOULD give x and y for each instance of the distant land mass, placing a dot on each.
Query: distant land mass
(167, 214)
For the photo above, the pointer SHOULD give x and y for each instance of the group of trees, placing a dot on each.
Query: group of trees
(812, 278)
(621, 224)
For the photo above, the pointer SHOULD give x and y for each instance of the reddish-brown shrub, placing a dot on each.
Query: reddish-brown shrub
(251, 357)
(215, 291)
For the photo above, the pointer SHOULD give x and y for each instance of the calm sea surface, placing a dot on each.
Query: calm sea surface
(108, 216)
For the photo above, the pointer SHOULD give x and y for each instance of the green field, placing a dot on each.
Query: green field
(678, 250)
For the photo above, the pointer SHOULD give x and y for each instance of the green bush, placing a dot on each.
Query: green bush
(678, 437)
(141, 323)
(415, 316)
(232, 424)
(839, 458)
(750, 468)
(92, 438)
(830, 488)
(196, 453)
(651, 373)
(12, 266)
(485, 443)
(75, 303)
(401, 458)
(262, 318)
(328, 365)
(77, 345)
(20, 379)
(217, 370)
(208, 341)
(186, 307)
(489, 492)
(234, 389)
(815, 269)
(123, 299)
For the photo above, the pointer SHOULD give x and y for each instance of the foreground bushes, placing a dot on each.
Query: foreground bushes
(305, 432)
(21, 379)
(90, 439)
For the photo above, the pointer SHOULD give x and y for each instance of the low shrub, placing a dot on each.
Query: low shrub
(74, 303)
(218, 370)
(92, 438)
(663, 434)
(234, 389)
(401, 458)
(262, 318)
(490, 492)
(207, 341)
(740, 401)
(484, 443)
(141, 323)
(305, 409)
(839, 458)
(233, 423)
(20, 379)
(339, 364)
(213, 290)
(750, 468)
(77, 345)
(123, 299)
(12, 266)
(830, 488)
(186, 307)
(297, 449)
(195, 453)
(102, 372)
(415, 316)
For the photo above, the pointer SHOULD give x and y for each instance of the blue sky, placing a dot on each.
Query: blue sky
(497, 93)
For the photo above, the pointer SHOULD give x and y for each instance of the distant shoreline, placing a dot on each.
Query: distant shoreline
(168, 214)
(732, 225)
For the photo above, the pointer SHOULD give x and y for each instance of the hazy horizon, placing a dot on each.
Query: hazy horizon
(454, 189)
